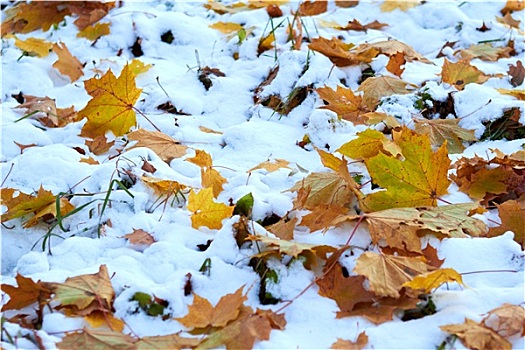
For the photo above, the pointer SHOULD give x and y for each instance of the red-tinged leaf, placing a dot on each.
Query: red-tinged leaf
(26, 293)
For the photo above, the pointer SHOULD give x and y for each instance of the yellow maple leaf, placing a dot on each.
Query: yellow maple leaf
(226, 27)
(205, 211)
(404, 5)
(271, 166)
(368, 144)
(213, 179)
(431, 280)
(41, 205)
(201, 158)
(111, 108)
(34, 46)
(161, 186)
(95, 31)
(138, 67)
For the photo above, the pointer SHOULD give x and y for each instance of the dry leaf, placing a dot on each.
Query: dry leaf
(329, 160)
(226, 27)
(336, 50)
(368, 144)
(462, 73)
(67, 64)
(509, 21)
(284, 229)
(512, 216)
(517, 74)
(27, 17)
(163, 145)
(312, 8)
(375, 88)
(271, 166)
(163, 187)
(111, 106)
(26, 293)
(172, 341)
(354, 25)
(89, 12)
(476, 336)
(380, 310)
(388, 273)
(140, 237)
(322, 216)
(485, 52)
(205, 212)
(94, 32)
(360, 343)
(213, 179)
(519, 94)
(344, 102)
(441, 130)
(395, 62)
(99, 145)
(98, 319)
(390, 48)
(94, 339)
(34, 46)
(403, 5)
(432, 280)
(513, 5)
(201, 159)
(325, 188)
(506, 320)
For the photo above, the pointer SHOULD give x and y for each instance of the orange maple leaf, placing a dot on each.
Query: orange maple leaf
(344, 102)
(111, 108)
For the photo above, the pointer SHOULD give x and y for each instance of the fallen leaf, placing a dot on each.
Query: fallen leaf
(271, 166)
(67, 64)
(201, 159)
(205, 212)
(476, 336)
(462, 73)
(27, 17)
(163, 187)
(163, 145)
(140, 237)
(137, 67)
(441, 130)
(26, 293)
(368, 144)
(512, 216)
(432, 280)
(509, 21)
(24, 147)
(517, 73)
(322, 216)
(98, 319)
(346, 3)
(513, 5)
(388, 273)
(359, 344)
(90, 12)
(336, 50)
(312, 8)
(99, 145)
(354, 25)
(485, 52)
(506, 320)
(202, 313)
(43, 205)
(375, 88)
(390, 48)
(111, 106)
(81, 291)
(172, 341)
(213, 179)
(403, 5)
(226, 27)
(373, 118)
(519, 94)
(394, 64)
(418, 180)
(329, 160)
(325, 188)
(34, 46)
(344, 102)
(94, 32)
(94, 339)
(266, 43)
(284, 229)
(209, 131)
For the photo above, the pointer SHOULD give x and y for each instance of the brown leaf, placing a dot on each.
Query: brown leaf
(93, 339)
(325, 188)
(513, 5)
(485, 52)
(360, 343)
(403, 5)
(395, 62)
(67, 64)
(322, 216)
(357, 26)
(90, 12)
(27, 17)
(148, 167)
(387, 273)
(312, 8)
(163, 145)
(512, 216)
(347, 3)
(172, 341)
(26, 293)
(336, 50)
(441, 130)
(202, 313)
(99, 145)
(517, 73)
(380, 310)
(24, 147)
(271, 166)
(284, 229)
(376, 88)
(462, 73)
(140, 237)
(391, 48)
(509, 21)
(344, 102)
(506, 320)
(476, 336)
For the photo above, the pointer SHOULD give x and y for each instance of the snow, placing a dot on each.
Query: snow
(249, 136)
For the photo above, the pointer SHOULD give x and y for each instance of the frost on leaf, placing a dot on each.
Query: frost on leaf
(417, 180)
(43, 206)
(205, 212)
(111, 106)
(163, 145)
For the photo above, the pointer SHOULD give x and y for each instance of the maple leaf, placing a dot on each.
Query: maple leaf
(335, 49)
(202, 313)
(245, 330)
(312, 8)
(94, 32)
(441, 130)
(43, 205)
(508, 20)
(375, 88)
(67, 64)
(27, 17)
(205, 211)
(90, 12)
(98, 319)
(324, 188)
(512, 216)
(34, 46)
(44, 109)
(388, 273)
(26, 293)
(394, 64)
(418, 180)
(513, 5)
(283, 228)
(93, 339)
(390, 48)
(506, 320)
(163, 187)
(368, 144)
(322, 216)
(403, 5)
(294, 249)
(271, 166)
(374, 118)
(343, 102)
(431, 280)
(111, 108)
(172, 341)
(519, 94)
(138, 67)
(226, 27)
(140, 237)
(462, 73)
(476, 336)
(99, 145)
(163, 145)
(360, 343)
(485, 52)
(517, 73)
(354, 25)
(81, 291)
(328, 159)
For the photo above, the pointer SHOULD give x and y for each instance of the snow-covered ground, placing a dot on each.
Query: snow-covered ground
(247, 134)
